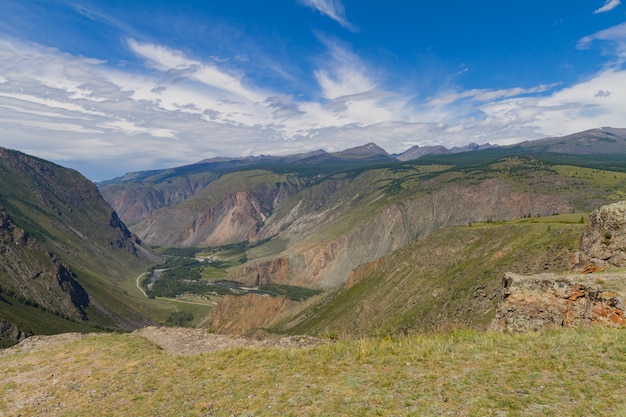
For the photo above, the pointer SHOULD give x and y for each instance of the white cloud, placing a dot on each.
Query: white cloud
(331, 8)
(608, 6)
(106, 120)
(176, 64)
(343, 81)
(614, 36)
(488, 95)
(580, 107)
(343, 74)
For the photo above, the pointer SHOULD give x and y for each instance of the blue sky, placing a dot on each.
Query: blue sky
(109, 87)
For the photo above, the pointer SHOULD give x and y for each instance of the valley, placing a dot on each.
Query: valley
(334, 285)
(353, 243)
(312, 208)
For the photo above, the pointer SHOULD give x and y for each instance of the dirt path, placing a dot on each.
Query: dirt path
(184, 341)
(139, 286)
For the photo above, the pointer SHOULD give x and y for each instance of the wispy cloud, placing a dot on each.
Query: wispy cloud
(614, 39)
(608, 6)
(331, 8)
(482, 95)
(343, 73)
(173, 109)
(175, 64)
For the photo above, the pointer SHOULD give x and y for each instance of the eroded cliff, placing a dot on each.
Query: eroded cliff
(330, 262)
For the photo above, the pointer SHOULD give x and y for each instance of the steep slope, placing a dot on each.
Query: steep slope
(450, 278)
(229, 210)
(364, 217)
(32, 272)
(64, 251)
(136, 196)
(310, 224)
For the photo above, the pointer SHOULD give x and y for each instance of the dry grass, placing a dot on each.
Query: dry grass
(572, 372)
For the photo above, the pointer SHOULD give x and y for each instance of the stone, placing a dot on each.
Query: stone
(604, 241)
(535, 301)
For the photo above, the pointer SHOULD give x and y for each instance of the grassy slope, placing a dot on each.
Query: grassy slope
(570, 372)
(360, 192)
(34, 319)
(63, 210)
(449, 278)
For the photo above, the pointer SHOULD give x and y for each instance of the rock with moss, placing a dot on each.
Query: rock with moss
(604, 242)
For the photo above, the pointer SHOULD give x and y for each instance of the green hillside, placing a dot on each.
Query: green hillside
(451, 278)
(60, 233)
(377, 234)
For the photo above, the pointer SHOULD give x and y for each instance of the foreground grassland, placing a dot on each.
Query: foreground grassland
(576, 372)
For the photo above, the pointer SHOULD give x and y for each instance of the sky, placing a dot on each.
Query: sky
(108, 87)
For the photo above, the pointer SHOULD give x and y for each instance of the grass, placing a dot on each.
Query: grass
(613, 182)
(571, 372)
(34, 319)
(449, 278)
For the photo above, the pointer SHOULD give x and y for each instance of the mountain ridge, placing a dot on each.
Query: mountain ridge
(309, 220)
(602, 134)
(312, 224)
(64, 251)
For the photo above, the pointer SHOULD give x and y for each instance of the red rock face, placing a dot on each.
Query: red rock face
(536, 301)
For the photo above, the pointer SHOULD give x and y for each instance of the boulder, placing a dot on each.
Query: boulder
(604, 242)
(536, 301)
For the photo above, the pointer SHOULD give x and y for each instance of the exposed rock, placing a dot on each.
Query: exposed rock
(43, 342)
(532, 302)
(329, 263)
(10, 333)
(604, 243)
(535, 301)
(235, 218)
(29, 270)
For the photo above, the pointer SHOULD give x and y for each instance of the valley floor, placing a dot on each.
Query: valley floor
(573, 372)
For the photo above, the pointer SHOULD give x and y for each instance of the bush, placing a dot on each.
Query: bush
(179, 318)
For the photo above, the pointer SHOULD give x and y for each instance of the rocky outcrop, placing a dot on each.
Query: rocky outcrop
(35, 276)
(532, 302)
(603, 244)
(536, 301)
(11, 334)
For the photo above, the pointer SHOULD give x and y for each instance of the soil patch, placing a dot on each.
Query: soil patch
(178, 341)
(185, 341)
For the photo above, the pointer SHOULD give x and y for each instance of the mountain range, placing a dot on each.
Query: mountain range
(361, 224)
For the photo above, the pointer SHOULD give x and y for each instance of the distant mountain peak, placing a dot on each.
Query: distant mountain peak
(369, 150)
(416, 152)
